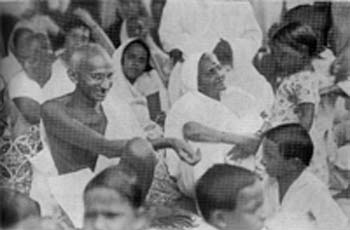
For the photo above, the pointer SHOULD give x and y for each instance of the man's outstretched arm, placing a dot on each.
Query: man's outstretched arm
(59, 124)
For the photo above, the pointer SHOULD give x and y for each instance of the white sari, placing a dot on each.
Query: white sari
(135, 95)
(195, 106)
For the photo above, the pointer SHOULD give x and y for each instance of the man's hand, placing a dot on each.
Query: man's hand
(186, 152)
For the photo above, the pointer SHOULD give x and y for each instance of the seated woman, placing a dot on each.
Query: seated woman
(202, 119)
(23, 139)
(138, 84)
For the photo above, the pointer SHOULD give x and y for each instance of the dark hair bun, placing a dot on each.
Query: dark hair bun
(298, 36)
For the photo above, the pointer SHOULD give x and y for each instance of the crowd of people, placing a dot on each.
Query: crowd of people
(175, 114)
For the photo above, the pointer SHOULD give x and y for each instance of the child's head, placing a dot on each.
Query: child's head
(131, 8)
(16, 207)
(231, 197)
(286, 148)
(136, 59)
(77, 33)
(113, 200)
(293, 46)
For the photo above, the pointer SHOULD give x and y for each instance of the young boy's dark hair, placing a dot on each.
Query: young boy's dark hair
(219, 188)
(293, 141)
(123, 180)
(73, 23)
(16, 207)
(298, 36)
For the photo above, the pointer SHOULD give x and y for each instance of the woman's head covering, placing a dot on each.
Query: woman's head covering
(189, 73)
(118, 55)
(184, 76)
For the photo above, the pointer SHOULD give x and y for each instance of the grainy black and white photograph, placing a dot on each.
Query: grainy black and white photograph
(174, 114)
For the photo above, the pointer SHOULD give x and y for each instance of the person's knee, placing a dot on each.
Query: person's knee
(139, 148)
(139, 153)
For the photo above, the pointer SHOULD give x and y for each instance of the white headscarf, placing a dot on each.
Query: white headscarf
(123, 89)
(189, 76)
(184, 77)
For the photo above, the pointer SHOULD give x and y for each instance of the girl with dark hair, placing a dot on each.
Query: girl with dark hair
(293, 46)
(138, 84)
(304, 90)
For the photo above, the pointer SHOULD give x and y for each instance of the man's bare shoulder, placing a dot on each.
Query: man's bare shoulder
(59, 103)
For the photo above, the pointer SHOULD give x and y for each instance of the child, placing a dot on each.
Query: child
(298, 76)
(231, 197)
(293, 47)
(113, 200)
(287, 152)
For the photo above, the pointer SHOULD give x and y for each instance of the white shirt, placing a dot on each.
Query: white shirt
(308, 196)
(9, 66)
(22, 86)
(59, 83)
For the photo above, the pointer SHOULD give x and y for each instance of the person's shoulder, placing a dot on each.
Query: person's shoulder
(315, 185)
(56, 103)
(21, 75)
(186, 101)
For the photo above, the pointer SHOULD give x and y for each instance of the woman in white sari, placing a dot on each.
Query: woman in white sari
(202, 119)
(138, 84)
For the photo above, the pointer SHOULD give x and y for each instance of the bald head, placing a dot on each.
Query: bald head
(89, 57)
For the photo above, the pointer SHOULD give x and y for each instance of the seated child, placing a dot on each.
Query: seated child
(287, 152)
(115, 198)
(231, 197)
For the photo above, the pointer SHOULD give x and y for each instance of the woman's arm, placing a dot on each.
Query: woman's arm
(306, 113)
(197, 132)
(244, 145)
